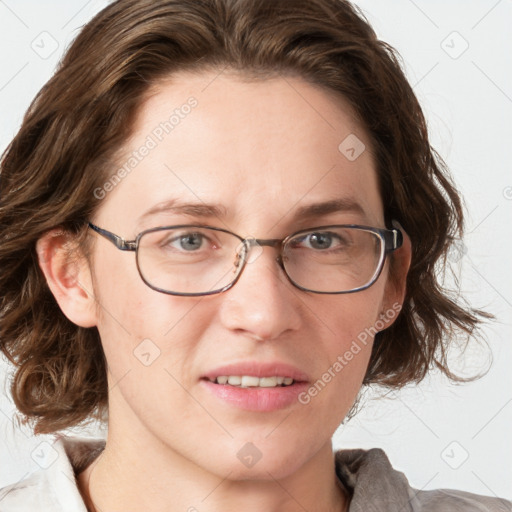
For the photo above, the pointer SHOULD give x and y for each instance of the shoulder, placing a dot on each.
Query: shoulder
(454, 500)
(375, 486)
(54, 488)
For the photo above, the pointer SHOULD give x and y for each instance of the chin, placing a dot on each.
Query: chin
(261, 461)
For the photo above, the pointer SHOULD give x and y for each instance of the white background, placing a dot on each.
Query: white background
(439, 435)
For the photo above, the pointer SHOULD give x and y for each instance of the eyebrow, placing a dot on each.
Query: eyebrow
(327, 207)
(217, 210)
(192, 209)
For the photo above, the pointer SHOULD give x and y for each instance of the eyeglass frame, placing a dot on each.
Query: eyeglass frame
(391, 238)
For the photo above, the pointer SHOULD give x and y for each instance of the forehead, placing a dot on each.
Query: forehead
(260, 149)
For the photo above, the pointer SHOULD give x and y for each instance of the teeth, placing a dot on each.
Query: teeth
(249, 381)
(234, 380)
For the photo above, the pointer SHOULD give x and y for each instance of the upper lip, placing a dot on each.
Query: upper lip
(258, 369)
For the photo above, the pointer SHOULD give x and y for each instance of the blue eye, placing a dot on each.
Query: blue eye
(320, 240)
(188, 242)
(191, 242)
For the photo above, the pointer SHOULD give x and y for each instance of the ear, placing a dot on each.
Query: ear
(68, 276)
(400, 261)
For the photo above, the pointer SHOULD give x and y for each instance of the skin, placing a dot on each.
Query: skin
(262, 149)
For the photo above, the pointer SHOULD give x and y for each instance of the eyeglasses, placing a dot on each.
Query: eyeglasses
(192, 260)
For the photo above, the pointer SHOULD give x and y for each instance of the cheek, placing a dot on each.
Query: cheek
(351, 324)
(119, 292)
(353, 316)
(138, 325)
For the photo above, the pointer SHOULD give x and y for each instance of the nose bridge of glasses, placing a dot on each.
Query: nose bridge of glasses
(252, 243)
(264, 242)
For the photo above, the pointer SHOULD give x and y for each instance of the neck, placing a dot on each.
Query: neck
(135, 475)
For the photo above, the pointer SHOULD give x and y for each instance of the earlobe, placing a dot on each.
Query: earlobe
(68, 276)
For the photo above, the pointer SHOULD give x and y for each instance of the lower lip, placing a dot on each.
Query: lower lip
(257, 399)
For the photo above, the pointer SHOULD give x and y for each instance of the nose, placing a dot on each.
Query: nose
(263, 304)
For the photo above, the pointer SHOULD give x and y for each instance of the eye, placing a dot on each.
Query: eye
(189, 242)
(320, 240)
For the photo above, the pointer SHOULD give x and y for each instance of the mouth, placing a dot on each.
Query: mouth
(258, 387)
(250, 381)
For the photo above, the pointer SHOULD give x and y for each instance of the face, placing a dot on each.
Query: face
(260, 151)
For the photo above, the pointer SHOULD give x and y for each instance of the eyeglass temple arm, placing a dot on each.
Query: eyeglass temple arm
(120, 243)
(393, 239)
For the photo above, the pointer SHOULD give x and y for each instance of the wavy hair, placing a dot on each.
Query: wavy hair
(82, 116)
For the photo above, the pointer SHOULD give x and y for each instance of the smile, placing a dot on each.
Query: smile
(250, 381)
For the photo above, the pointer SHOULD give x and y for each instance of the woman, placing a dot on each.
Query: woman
(218, 221)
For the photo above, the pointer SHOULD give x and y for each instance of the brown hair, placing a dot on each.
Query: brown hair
(82, 116)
